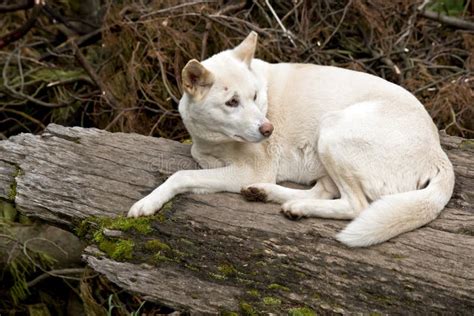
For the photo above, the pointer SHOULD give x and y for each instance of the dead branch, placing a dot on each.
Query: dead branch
(448, 20)
(24, 5)
(109, 97)
(20, 32)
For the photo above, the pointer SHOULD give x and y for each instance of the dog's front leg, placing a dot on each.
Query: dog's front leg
(229, 179)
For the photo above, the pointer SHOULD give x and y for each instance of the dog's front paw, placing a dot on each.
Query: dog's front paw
(254, 194)
(144, 207)
(293, 210)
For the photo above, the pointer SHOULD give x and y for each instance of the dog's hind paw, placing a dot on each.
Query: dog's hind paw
(291, 210)
(254, 194)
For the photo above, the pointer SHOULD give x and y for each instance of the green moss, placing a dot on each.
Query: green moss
(247, 309)
(23, 219)
(217, 276)
(226, 313)
(8, 212)
(98, 236)
(301, 274)
(245, 281)
(253, 293)
(191, 267)
(276, 286)
(82, 228)
(96, 225)
(467, 144)
(12, 191)
(466, 231)
(179, 254)
(160, 217)
(123, 249)
(93, 227)
(156, 245)
(107, 246)
(160, 258)
(140, 224)
(167, 207)
(118, 250)
(186, 241)
(301, 311)
(398, 256)
(268, 300)
(227, 269)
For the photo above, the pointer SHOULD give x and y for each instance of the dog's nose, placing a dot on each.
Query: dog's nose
(266, 129)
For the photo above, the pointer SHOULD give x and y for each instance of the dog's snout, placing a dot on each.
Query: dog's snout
(266, 129)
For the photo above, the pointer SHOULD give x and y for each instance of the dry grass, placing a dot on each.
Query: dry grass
(144, 45)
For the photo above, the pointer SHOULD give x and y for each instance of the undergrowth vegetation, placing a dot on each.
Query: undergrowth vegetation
(117, 65)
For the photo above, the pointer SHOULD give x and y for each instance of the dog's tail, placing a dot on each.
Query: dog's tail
(395, 214)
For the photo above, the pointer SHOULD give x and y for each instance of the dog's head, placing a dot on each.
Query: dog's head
(224, 99)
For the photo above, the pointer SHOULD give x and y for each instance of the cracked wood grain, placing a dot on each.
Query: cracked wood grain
(69, 174)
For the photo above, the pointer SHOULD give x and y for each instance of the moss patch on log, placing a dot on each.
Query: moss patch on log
(249, 261)
(118, 250)
(12, 189)
(301, 311)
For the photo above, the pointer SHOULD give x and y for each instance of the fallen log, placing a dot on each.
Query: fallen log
(218, 253)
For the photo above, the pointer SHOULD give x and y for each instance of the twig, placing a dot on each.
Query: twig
(55, 16)
(17, 6)
(205, 37)
(216, 17)
(163, 77)
(21, 31)
(387, 61)
(346, 8)
(456, 124)
(59, 273)
(318, 43)
(109, 97)
(434, 83)
(26, 116)
(448, 20)
(285, 31)
(422, 6)
(80, 41)
(22, 96)
(117, 117)
(179, 6)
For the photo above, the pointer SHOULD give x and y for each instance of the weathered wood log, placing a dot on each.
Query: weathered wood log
(215, 253)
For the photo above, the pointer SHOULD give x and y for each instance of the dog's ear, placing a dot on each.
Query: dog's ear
(246, 49)
(197, 80)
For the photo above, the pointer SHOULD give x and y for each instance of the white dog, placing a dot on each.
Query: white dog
(370, 145)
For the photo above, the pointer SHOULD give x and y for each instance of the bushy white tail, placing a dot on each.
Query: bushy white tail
(399, 213)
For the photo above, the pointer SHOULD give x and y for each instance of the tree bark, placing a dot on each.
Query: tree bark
(216, 253)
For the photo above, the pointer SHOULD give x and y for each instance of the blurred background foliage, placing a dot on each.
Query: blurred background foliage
(116, 64)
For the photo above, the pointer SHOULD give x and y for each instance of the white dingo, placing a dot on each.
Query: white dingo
(370, 144)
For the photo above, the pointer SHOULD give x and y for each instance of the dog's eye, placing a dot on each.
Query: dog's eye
(255, 96)
(232, 103)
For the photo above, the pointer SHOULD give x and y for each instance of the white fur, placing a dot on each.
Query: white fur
(370, 144)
